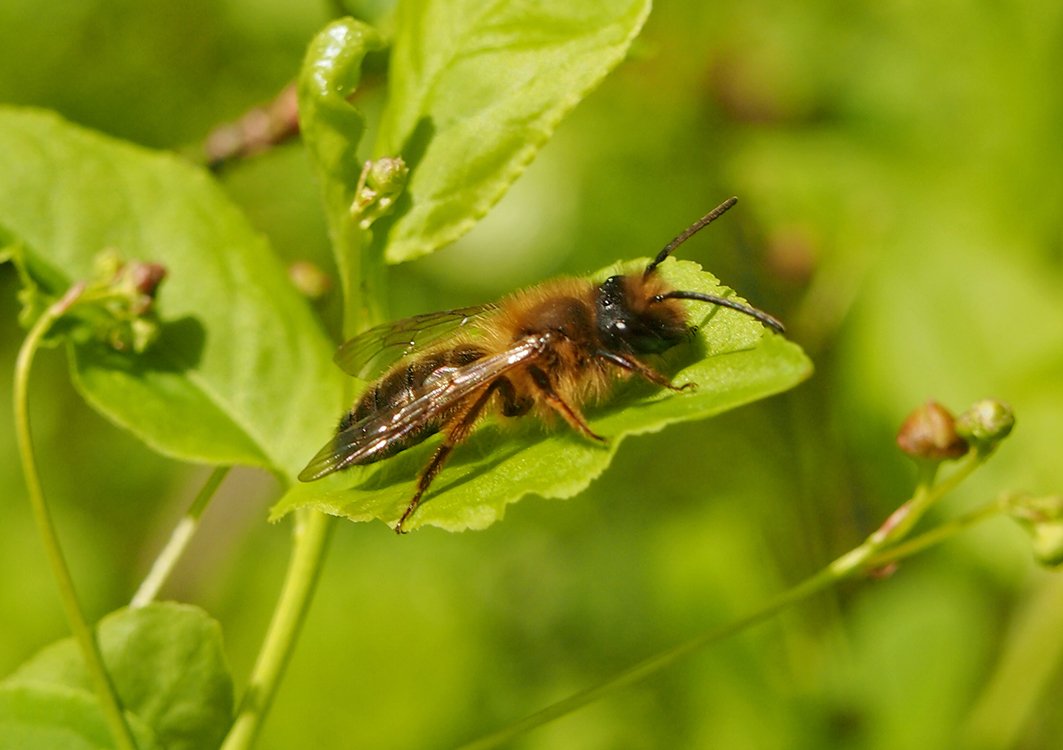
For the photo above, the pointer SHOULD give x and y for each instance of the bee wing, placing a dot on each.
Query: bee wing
(373, 435)
(369, 353)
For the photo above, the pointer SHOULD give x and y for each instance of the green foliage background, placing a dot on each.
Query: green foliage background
(899, 170)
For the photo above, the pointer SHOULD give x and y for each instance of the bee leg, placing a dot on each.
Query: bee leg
(633, 365)
(512, 405)
(458, 429)
(429, 473)
(555, 402)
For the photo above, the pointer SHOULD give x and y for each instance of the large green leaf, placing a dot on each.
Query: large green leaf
(732, 359)
(167, 664)
(476, 88)
(240, 374)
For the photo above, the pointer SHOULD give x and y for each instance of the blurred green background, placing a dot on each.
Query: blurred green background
(901, 173)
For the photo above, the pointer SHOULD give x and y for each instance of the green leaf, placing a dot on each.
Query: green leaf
(476, 88)
(50, 717)
(732, 359)
(167, 664)
(240, 373)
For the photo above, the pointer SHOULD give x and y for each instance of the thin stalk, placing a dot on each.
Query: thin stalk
(902, 520)
(179, 539)
(647, 668)
(878, 549)
(935, 536)
(311, 535)
(79, 626)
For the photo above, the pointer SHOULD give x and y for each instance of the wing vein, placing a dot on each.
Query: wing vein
(371, 436)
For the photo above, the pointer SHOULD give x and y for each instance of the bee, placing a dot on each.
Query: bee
(546, 350)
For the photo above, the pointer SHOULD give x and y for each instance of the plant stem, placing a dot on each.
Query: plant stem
(935, 536)
(644, 669)
(311, 535)
(79, 626)
(902, 520)
(331, 129)
(179, 539)
(878, 549)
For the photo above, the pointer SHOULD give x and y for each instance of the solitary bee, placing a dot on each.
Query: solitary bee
(546, 349)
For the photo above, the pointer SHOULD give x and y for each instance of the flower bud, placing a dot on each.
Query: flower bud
(124, 292)
(985, 423)
(309, 280)
(380, 185)
(1042, 519)
(387, 175)
(147, 277)
(929, 432)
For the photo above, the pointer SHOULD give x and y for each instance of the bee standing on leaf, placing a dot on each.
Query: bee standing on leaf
(546, 350)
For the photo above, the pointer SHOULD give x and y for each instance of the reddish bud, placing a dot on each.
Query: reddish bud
(930, 432)
(147, 277)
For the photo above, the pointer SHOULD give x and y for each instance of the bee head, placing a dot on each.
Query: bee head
(632, 319)
(649, 318)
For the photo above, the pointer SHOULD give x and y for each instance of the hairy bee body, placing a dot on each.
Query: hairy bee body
(400, 386)
(547, 350)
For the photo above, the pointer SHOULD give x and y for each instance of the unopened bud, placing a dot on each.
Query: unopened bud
(929, 432)
(387, 175)
(1042, 518)
(308, 279)
(985, 423)
(125, 293)
(106, 266)
(147, 277)
(379, 186)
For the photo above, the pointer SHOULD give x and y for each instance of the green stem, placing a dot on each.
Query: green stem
(331, 129)
(179, 539)
(311, 535)
(935, 536)
(867, 556)
(902, 520)
(654, 664)
(79, 626)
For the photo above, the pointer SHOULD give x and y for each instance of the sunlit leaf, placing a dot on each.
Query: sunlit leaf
(240, 373)
(476, 88)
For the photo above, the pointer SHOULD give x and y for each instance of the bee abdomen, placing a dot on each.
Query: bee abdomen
(401, 385)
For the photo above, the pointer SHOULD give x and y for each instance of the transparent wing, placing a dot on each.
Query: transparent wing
(364, 440)
(368, 354)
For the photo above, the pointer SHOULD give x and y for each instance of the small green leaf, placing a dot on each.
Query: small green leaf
(240, 372)
(53, 717)
(167, 664)
(476, 89)
(740, 361)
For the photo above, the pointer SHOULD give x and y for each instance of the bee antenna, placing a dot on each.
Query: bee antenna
(689, 232)
(768, 320)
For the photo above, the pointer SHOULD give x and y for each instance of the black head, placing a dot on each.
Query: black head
(634, 313)
(627, 323)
